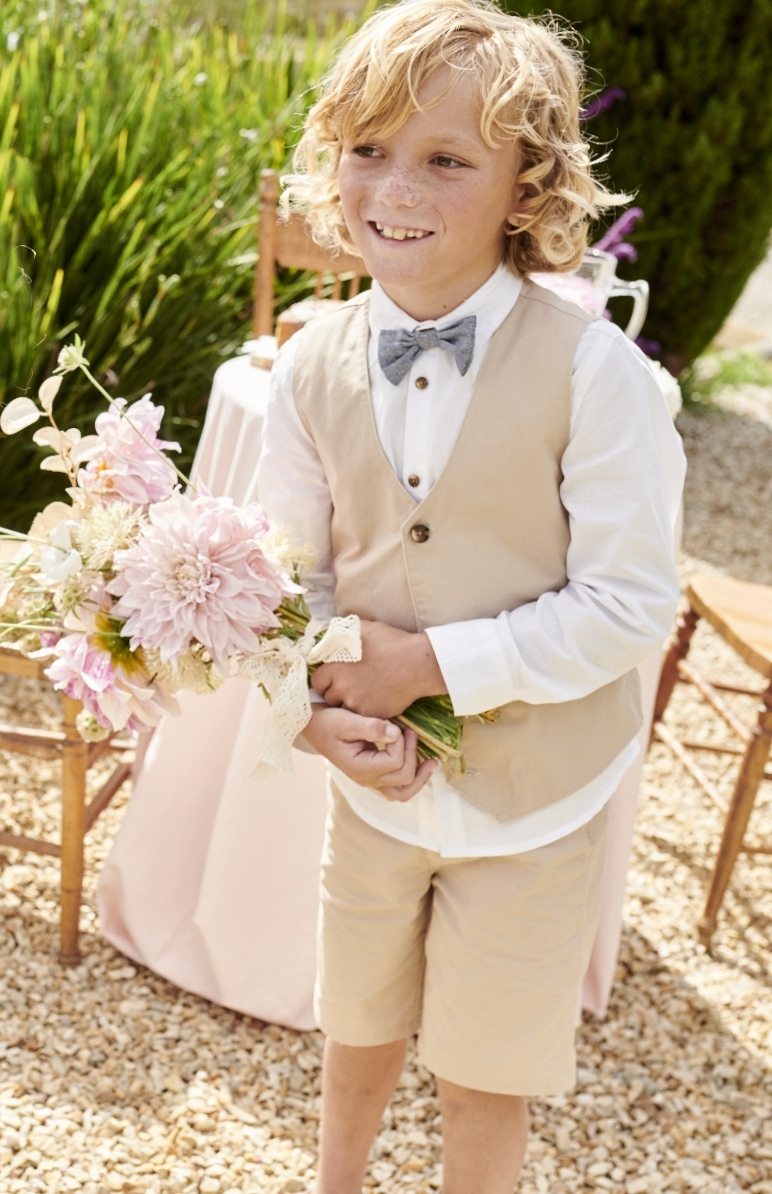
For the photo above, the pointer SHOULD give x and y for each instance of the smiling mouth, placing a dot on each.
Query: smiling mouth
(389, 233)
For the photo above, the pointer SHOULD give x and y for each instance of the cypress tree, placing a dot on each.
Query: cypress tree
(692, 139)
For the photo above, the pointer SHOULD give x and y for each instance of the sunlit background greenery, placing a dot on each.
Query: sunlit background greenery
(132, 134)
(131, 138)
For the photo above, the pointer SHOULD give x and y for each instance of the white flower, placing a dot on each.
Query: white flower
(89, 728)
(201, 78)
(105, 530)
(12, 41)
(48, 391)
(669, 386)
(58, 558)
(18, 414)
(71, 357)
(288, 553)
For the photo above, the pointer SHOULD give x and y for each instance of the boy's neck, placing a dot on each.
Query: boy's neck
(430, 311)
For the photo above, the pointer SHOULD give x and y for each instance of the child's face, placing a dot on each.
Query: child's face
(427, 206)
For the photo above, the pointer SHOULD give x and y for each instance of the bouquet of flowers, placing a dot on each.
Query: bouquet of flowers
(136, 589)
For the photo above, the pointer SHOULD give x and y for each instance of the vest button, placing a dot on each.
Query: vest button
(419, 533)
(413, 480)
(421, 383)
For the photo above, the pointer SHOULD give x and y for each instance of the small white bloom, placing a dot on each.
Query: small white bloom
(201, 78)
(12, 41)
(58, 558)
(48, 391)
(89, 728)
(71, 357)
(18, 414)
(53, 464)
(248, 135)
(669, 386)
(105, 530)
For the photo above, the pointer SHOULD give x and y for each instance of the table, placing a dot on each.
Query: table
(212, 879)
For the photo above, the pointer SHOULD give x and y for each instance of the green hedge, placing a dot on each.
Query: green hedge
(693, 138)
(130, 147)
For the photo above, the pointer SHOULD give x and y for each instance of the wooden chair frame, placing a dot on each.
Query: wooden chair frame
(756, 740)
(77, 817)
(286, 243)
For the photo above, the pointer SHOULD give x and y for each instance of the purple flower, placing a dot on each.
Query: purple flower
(624, 252)
(620, 229)
(129, 464)
(603, 102)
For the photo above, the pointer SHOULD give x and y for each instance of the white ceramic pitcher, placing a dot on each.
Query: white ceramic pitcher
(594, 283)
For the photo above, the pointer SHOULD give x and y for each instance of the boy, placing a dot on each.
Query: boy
(489, 479)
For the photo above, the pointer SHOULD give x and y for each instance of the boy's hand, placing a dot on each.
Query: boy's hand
(396, 668)
(352, 743)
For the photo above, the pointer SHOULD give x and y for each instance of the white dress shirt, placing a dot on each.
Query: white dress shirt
(623, 474)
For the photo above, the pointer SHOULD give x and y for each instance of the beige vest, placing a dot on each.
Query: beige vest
(490, 536)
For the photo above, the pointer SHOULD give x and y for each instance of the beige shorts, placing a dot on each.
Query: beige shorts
(482, 957)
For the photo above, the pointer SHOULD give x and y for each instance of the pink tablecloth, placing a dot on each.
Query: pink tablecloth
(212, 880)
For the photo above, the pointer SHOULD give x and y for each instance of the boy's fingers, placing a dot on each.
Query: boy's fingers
(382, 734)
(408, 791)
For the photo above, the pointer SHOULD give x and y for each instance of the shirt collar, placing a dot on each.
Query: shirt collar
(490, 303)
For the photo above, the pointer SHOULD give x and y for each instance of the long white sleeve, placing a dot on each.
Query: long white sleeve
(623, 474)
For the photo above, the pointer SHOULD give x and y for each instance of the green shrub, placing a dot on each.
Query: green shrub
(693, 138)
(130, 147)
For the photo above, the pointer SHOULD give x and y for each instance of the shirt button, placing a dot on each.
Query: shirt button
(421, 383)
(413, 480)
(419, 533)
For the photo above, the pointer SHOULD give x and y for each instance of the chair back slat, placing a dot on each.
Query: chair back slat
(286, 242)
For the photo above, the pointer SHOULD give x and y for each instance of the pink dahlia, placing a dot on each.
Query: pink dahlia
(127, 464)
(198, 573)
(119, 696)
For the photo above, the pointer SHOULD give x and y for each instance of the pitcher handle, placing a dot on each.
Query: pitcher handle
(639, 293)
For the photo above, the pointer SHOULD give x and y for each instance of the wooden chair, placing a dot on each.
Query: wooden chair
(286, 243)
(741, 614)
(76, 757)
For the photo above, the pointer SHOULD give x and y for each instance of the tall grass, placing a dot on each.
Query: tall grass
(130, 147)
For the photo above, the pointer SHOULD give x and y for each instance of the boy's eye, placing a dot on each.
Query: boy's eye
(446, 161)
(366, 151)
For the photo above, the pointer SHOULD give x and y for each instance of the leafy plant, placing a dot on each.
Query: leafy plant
(130, 148)
(691, 136)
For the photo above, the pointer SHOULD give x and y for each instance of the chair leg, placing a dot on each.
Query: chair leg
(74, 762)
(738, 814)
(677, 651)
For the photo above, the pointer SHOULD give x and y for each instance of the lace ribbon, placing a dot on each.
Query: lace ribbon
(281, 667)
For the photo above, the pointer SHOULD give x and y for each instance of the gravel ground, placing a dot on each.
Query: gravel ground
(112, 1079)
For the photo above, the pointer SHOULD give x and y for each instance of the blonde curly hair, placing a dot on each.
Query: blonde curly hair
(527, 77)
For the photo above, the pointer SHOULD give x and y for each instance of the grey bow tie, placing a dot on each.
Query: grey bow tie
(398, 349)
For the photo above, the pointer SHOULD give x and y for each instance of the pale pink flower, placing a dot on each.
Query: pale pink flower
(126, 465)
(118, 697)
(198, 573)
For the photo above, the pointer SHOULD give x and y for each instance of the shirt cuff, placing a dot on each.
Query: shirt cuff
(474, 665)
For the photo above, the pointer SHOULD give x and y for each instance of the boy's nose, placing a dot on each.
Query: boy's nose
(398, 188)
